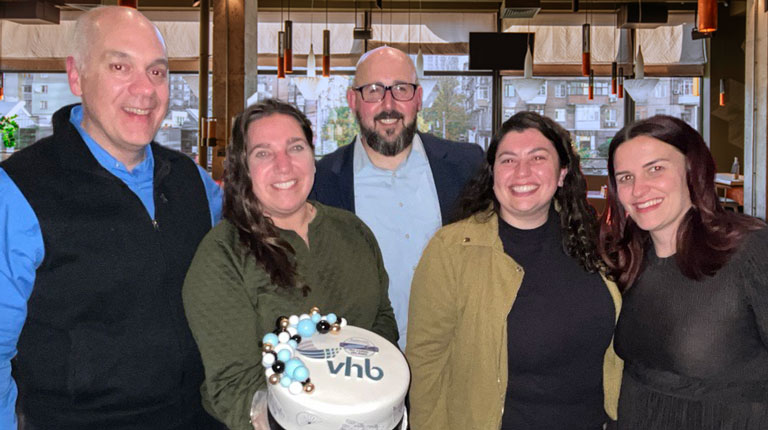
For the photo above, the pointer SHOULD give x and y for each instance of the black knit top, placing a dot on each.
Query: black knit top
(558, 330)
(695, 351)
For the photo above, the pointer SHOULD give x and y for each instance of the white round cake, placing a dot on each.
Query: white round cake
(360, 380)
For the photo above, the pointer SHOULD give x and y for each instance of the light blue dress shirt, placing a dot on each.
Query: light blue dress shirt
(22, 250)
(401, 208)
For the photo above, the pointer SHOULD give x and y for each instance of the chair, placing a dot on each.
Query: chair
(726, 202)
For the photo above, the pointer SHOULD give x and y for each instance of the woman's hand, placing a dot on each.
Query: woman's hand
(259, 411)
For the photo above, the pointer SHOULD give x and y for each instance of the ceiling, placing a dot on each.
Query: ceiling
(47, 11)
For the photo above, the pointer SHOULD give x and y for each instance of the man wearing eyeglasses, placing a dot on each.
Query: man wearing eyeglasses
(402, 183)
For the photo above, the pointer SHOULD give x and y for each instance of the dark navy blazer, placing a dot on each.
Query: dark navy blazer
(453, 164)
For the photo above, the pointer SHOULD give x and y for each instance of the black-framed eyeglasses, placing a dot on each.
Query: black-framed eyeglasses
(373, 93)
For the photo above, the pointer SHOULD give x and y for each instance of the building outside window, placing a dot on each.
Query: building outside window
(559, 115)
(561, 90)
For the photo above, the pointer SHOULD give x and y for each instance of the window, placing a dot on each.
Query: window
(561, 90)
(609, 120)
(509, 90)
(482, 93)
(681, 103)
(578, 88)
(507, 114)
(601, 88)
(661, 90)
(686, 87)
(43, 104)
(536, 108)
(559, 115)
(44, 89)
(543, 90)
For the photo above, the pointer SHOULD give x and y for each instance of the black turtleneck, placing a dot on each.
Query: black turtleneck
(558, 329)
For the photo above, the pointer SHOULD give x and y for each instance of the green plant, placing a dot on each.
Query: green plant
(9, 128)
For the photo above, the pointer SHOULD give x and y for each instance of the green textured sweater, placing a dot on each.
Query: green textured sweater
(230, 302)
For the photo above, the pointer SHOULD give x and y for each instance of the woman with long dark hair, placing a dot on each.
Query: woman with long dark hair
(693, 331)
(510, 320)
(274, 253)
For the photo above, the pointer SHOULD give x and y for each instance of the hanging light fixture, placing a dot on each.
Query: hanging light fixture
(289, 41)
(311, 72)
(695, 89)
(591, 90)
(614, 64)
(640, 88)
(585, 50)
(707, 16)
(722, 92)
(419, 55)
(326, 46)
(128, 3)
(2, 82)
(527, 88)
(280, 55)
(621, 83)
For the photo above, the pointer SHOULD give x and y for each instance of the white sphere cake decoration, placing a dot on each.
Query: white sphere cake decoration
(339, 376)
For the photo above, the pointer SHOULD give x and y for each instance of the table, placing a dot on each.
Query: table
(730, 188)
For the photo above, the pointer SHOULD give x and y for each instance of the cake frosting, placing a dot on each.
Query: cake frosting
(356, 378)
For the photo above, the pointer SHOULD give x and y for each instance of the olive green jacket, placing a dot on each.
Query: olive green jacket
(462, 291)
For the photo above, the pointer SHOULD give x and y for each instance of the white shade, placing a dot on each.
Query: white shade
(420, 65)
(311, 69)
(311, 88)
(640, 89)
(527, 89)
(639, 64)
(528, 65)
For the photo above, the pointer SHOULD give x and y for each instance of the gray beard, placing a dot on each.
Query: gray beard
(386, 148)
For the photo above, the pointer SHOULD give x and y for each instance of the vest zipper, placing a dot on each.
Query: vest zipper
(155, 225)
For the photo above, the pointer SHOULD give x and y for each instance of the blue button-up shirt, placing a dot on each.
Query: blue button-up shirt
(401, 208)
(22, 250)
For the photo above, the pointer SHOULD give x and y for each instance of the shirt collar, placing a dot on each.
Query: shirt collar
(102, 156)
(361, 160)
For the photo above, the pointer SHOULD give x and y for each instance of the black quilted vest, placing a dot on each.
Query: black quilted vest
(106, 343)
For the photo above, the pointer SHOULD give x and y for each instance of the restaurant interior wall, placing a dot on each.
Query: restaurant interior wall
(727, 63)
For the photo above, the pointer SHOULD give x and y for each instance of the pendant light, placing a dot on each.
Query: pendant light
(591, 90)
(419, 55)
(280, 55)
(621, 83)
(326, 46)
(311, 72)
(614, 64)
(585, 50)
(722, 92)
(527, 88)
(707, 16)
(640, 88)
(289, 41)
(2, 82)
(134, 4)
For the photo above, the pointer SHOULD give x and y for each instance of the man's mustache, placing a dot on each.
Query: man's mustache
(388, 115)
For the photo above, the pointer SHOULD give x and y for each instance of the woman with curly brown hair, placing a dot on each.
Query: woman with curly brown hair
(510, 320)
(274, 253)
(694, 327)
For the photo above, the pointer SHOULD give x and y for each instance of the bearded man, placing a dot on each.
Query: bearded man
(403, 184)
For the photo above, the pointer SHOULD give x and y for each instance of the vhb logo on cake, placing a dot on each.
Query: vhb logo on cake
(343, 367)
(359, 347)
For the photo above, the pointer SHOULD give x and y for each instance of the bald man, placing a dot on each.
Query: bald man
(99, 227)
(401, 183)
